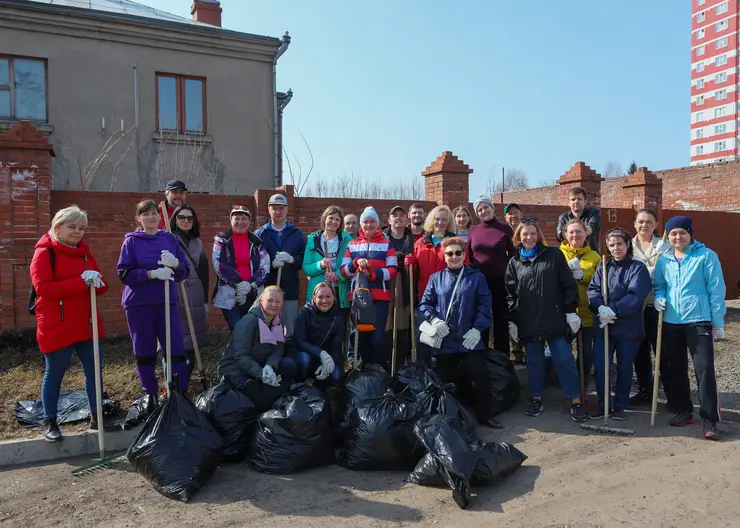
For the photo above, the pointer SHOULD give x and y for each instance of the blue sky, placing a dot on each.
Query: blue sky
(382, 87)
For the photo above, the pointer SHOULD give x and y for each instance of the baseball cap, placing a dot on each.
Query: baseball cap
(512, 204)
(396, 208)
(240, 209)
(277, 199)
(176, 184)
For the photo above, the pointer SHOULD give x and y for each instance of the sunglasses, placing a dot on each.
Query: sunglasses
(184, 218)
(453, 253)
(528, 221)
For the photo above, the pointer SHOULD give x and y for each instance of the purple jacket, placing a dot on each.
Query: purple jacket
(139, 254)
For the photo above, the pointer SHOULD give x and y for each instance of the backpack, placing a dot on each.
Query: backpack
(32, 295)
(363, 308)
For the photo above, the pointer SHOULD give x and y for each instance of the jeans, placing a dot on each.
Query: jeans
(697, 337)
(307, 365)
(371, 347)
(626, 352)
(643, 361)
(235, 315)
(288, 315)
(469, 373)
(56, 365)
(565, 365)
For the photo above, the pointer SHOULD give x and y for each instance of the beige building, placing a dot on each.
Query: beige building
(132, 97)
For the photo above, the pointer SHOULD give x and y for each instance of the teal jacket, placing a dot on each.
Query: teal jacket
(694, 289)
(314, 255)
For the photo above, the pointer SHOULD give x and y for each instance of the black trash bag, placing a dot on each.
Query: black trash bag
(138, 412)
(503, 382)
(370, 380)
(295, 435)
(72, 407)
(438, 400)
(178, 449)
(417, 377)
(381, 433)
(233, 415)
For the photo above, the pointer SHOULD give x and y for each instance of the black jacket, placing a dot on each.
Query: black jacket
(591, 216)
(314, 331)
(403, 271)
(540, 292)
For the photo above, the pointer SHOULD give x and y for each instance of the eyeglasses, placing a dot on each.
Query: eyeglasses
(184, 218)
(453, 253)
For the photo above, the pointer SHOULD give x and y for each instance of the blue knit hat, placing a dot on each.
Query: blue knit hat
(369, 212)
(680, 222)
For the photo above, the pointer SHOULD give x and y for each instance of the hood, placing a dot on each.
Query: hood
(288, 227)
(571, 252)
(315, 310)
(378, 235)
(47, 241)
(226, 236)
(692, 248)
(316, 237)
(144, 236)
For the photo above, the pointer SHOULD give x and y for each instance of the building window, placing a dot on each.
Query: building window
(700, 50)
(720, 129)
(720, 77)
(699, 149)
(700, 84)
(22, 88)
(720, 94)
(719, 146)
(720, 26)
(700, 17)
(700, 67)
(721, 8)
(721, 60)
(700, 100)
(699, 116)
(700, 34)
(721, 43)
(719, 112)
(181, 104)
(699, 133)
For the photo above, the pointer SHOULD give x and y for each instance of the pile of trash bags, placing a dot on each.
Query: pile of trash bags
(504, 383)
(72, 407)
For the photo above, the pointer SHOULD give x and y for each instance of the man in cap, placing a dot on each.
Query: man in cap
(513, 215)
(174, 195)
(286, 245)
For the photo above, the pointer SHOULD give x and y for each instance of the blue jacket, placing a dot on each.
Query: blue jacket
(628, 287)
(292, 241)
(471, 306)
(695, 289)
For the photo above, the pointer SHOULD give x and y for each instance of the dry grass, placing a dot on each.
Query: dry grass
(22, 368)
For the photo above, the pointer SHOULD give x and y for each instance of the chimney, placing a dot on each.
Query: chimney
(207, 12)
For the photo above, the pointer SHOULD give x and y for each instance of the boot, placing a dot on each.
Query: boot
(109, 426)
(51, 431)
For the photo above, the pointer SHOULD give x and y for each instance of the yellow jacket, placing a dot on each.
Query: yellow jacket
(590, 262)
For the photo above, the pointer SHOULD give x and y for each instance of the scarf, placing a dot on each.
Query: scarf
(271, 335)
(528, 254)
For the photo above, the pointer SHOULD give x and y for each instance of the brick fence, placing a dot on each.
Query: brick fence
(27, 203)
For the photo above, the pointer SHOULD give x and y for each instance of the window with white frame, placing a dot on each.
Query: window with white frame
(720, 77)
(721, 8)
(699, 133)
(700, 100)
(699, 149)
(720, 129)
(720, 60)
(720, 94)
(721, 43)
(700, 67)
(721, 25)
(719, 146)
(700, 34)
(700, 50)
(699, 117)
(720, 111)
(700, 84)
(700, 17)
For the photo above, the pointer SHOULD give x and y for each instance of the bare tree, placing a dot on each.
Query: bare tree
(298, 179)
(612, 169)
(353, 185)
(190, 158)
(514, 180)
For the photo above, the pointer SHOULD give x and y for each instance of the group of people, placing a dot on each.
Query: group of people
(469, 284)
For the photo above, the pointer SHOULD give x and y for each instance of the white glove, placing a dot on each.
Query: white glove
(442, 330)
(573, 321)
(269, 377)
(606, 316)
(513, 332)
(241, 298)
(327, 366)
(660, 304)
(575, 268)
(281, 258)
(92, 277)
(162, 274)
(471, 338)
(243, 288)
(168, 259)
(718, 333)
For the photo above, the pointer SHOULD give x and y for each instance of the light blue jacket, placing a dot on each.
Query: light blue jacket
(694, 289)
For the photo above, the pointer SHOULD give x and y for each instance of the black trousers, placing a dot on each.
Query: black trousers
(697, 337)
(644, 361)
(500, 317)
(469, 374)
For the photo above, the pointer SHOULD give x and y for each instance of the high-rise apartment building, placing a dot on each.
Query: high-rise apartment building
(715, 135)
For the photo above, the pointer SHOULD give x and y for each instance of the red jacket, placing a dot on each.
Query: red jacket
(382, 258)
(170, 212)
(63, 304)
(429, 260)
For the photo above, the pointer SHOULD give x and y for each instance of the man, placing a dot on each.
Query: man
(513, 215)
(402, 241)
(590, 216)
(174, 195)
(417, 217)
(351, 225)
(286, 244)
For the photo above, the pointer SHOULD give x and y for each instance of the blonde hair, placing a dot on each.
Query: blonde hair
(429, 220)
(271, 289)
(517, 238)
(67, 215)
(570, 223)
(320, 285)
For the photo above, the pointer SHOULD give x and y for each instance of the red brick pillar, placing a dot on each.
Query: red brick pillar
(446, 181)
(643, 190)
(25, 214)
(581, 175)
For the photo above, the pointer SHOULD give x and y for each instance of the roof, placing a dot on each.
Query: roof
(120, 7)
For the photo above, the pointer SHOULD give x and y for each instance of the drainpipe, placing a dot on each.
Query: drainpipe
(276, 179)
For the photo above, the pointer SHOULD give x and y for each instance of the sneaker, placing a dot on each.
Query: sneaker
(51, 431)
(681, 419)
(578, 413)
(596, 414)
(643, 397)
(710, 430)
(535, 407)
(618, 414)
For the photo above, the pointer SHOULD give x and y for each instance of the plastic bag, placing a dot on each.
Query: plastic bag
(438, 400)
(417, 377)
(370, 380)
(233, 415)
(137, 413)
(178, 449)
(295, 435)
(503, 382)
(72, 407)
(381, 433)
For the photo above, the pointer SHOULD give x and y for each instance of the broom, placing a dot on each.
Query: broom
(656, 374)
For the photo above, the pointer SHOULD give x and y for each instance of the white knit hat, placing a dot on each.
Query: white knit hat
(369, 212)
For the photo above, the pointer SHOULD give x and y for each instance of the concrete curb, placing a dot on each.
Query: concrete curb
(28, 451)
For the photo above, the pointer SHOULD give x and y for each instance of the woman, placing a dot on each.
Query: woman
(542, 298)
(372, 254)
(185, 226)
(647, 248)
(256, 351)
(62, 270)
(489, 248)
(320, 266)
(583, 262)
(628, 286)
(690, 289)
(317, 338)
(150, 256)
(241, 264)
(463, 221)
(456, 306)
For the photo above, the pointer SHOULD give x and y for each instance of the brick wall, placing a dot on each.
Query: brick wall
(714, 187)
